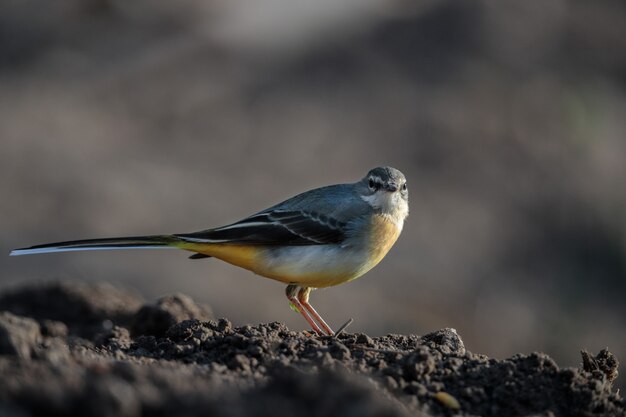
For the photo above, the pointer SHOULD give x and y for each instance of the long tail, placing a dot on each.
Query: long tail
(135, 242)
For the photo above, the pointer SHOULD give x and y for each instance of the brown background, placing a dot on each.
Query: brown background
(507, 117)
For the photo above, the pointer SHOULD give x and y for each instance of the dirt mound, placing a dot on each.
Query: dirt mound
(200, 367)
(85, 309)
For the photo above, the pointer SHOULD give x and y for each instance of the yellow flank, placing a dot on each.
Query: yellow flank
(244, 256)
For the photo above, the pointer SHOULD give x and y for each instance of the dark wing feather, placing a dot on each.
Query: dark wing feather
(276, 227)
(310, 225)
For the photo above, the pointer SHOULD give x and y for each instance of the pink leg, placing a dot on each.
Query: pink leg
(303, 296)
(291, 295)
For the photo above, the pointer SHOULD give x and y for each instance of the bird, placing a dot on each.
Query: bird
(320, 238)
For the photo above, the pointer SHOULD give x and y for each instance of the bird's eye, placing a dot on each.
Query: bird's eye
(372, 184)
(404, 187)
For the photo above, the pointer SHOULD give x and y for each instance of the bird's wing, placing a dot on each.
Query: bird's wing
(276, 227)
(317, 217)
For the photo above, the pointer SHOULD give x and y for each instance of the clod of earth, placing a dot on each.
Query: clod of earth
(120, 358)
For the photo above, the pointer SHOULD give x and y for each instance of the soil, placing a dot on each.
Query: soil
(78, 349)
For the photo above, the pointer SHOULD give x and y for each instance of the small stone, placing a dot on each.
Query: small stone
(446, 341)
(364, 339)
(448, 400)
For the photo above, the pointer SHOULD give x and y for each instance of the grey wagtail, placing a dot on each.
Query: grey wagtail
(320, 238)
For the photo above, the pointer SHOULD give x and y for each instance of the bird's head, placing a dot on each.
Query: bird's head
(385, 189)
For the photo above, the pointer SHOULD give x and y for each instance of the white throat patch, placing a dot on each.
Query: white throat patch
(392, 206)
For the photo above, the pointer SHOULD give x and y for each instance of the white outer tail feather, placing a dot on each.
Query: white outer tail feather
(20, 252)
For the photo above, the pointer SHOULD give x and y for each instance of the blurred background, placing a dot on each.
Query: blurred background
(508, 118)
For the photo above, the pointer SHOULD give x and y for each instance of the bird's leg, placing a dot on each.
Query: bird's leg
(291, 292)
(303, 297)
